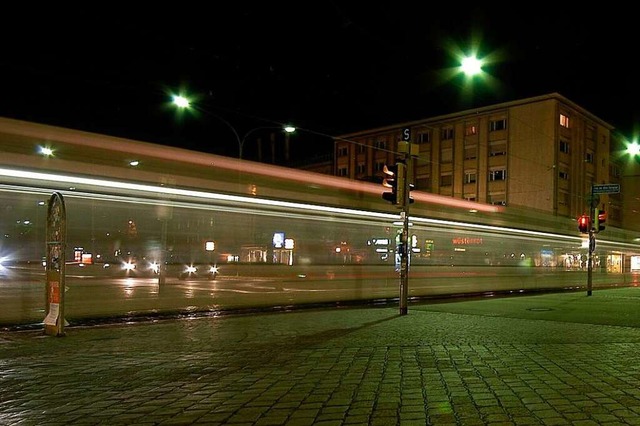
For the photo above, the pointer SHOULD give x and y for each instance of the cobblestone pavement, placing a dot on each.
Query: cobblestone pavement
(556, 359)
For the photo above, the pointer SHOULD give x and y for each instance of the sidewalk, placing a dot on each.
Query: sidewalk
(556, 359)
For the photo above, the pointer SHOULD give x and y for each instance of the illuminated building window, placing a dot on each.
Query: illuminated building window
(470, 130)
(564, 120)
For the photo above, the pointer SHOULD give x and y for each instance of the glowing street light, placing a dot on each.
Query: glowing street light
(471, 66)
(633, 148)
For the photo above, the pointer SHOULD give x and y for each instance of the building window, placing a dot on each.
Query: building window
(564, 147)
(470, 130)
(343, 151)
(470, 152)
(498, 199)
(425, 156)
(342, 171)
(422, 182)
(498, 148)
(588, 157)
(470, 177)
(446, 155)
(446, 133)
(361, 169)
(362, 148)
(614, 171)
(499, 174)
(563, 198)
(424, 137)
(564, 120)
(446, 179)
(563, 175)
(495, 125)
(379, 166)
(380, 144)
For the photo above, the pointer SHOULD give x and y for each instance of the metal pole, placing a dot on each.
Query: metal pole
(404, 262)
(590, 263)
(591, 245)
(405, 148)
(162, 267)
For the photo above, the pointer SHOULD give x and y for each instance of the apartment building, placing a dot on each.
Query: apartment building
(542, 153)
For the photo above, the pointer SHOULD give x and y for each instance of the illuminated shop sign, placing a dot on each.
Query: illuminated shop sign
(278, 239)
(467, 241)
(380, 241)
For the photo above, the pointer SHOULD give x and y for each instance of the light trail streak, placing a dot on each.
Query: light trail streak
(300, 207)
(144, 149)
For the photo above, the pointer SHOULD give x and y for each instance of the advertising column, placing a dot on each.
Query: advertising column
(55, 251)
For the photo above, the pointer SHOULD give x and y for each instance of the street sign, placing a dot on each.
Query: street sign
(608, 188)
(406, 134)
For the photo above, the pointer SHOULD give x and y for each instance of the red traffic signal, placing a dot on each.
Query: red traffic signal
(599, 218)
(584, 224)
(394, 179)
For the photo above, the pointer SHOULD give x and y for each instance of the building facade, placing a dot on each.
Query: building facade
(542, 153)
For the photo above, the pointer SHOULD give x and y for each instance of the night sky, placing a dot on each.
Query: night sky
(328, 68)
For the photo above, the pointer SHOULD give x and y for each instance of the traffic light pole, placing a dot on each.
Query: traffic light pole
(592, 241)
(592, 244)
(596, 220)
(404, 239)
(409, 152)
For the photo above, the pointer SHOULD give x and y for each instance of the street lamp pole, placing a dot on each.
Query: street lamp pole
(183, 102)
(287, 130)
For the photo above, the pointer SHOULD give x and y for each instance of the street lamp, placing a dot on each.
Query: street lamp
(183, 102)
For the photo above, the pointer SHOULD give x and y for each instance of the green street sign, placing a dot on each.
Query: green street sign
(608, 188)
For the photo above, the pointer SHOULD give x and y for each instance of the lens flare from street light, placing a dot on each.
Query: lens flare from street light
(471, 65)
(633, 148)
(181, 101)
(46, 151)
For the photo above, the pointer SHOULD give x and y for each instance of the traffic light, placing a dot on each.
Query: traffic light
(394, 179)
(599, 218)
(411, 186)
(584, 224)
